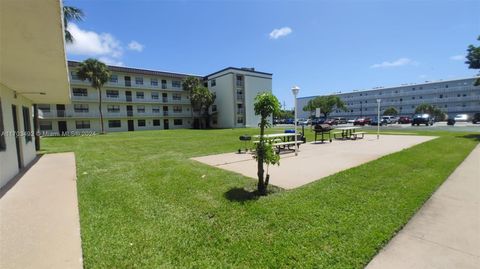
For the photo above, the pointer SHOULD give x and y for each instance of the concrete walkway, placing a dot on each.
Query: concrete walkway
(39, 221)
(445, 232)
(316, 161)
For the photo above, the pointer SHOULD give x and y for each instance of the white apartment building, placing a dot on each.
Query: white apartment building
(33, 69)
(139, 99)
(456, 96)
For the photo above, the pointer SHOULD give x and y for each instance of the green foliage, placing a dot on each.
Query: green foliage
(98, 74)
(191, 83)
(432, 110)
(266, 105)
(391, 111)
(201, 98)
(284, 114)
(473, 58)
(71, 14)
(326, 104)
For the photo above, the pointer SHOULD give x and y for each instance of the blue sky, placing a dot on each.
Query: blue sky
(321, 46)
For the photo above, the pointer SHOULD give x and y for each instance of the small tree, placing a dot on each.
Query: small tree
(326, 104)
(391, 111)
(97, 73)
(432, 110)
(473, 59)
(202, 98)
(266, 105)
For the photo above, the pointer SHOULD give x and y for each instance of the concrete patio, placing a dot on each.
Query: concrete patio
(316, 161)
(39, 221)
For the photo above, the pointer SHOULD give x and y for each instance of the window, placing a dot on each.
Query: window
(114, 124)
(140, 95)
(176, 84)
(74, 75)
(112, 93)
(164, 84)
(239, 81)
(458, 95)
(80, 108)
(3, 145)
(177, 109)
(141, 109)
(44, 108)
(139, 80)
(214, 108)
(79, 92)
(128, 82)
(240, 120)
(156, 122)
(155, 109)
(441, 96)
(154, 82)
(413, 97)
(446, 86)
(177, 122)
(26, 124)
(113, 108)
(213, 82)
(82, 124)
(177, 96)
(141, 123)
(155, 95)
(113, 78)
(45, 125)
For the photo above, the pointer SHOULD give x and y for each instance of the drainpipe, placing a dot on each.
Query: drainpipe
(36, 124)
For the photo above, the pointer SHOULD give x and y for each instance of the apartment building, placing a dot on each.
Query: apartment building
(139, 99)
(33, 69)
(456, 96)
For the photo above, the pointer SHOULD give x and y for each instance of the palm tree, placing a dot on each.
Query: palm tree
(97, 73)
(71, 14)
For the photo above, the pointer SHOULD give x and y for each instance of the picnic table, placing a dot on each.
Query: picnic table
(281, 140)
(348, 133)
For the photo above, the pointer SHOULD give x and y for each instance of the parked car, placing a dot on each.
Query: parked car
(331, 122)
(362, 121)
(341, 120)
(476, 118)
(390, 119)
(461, 117)
(304, 122)
(289, 121)
(422, 119)
(451, 122)
(351, 121)
(404, 120)
(382, 121)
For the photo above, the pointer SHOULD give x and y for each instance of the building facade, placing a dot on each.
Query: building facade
(139, 99)
(458, 96)
(33, 69)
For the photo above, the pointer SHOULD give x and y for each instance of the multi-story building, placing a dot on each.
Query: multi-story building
(139, 99)
(457, 96)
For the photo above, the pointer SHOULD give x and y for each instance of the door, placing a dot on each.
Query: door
(165, 124)
(129, 111)
(128, 95)
(61, 111)
(128, 82)
(17, 137)
(62, 127)
(131, 126)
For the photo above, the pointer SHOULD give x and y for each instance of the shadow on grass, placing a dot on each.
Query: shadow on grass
(241, 195)
(475, 137)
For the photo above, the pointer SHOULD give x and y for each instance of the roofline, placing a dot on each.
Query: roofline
(239, 69)
(140, 70)
(391, 87)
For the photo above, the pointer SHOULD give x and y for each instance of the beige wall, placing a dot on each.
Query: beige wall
(253, 86)
(8, 158)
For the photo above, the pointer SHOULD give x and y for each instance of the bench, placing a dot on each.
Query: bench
(282, 145)
(356, 134)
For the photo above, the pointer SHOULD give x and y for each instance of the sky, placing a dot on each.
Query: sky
(321, 46)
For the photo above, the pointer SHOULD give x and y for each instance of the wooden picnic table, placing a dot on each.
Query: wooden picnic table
(280, 140)
(347, 132)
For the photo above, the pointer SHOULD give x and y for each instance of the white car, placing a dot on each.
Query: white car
(461, 117)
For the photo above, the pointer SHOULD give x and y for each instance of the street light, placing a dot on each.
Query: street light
(378, 118)
(295, 90)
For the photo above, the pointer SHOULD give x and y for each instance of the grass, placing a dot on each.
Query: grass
(144, 204)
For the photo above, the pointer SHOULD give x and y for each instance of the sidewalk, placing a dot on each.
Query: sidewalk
(445, 233)
(39, 221)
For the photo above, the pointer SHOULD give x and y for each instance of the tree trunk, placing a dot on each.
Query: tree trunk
(262, 189)
(100, 109)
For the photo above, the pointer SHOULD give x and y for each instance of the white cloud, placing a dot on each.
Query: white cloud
(134, 45)
(423, 76)
(457, 57)
(110, 61)
(89, 43)
(277, 33)
(396, 63)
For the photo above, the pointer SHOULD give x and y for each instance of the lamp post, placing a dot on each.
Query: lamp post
(378, 118)
(295, 90)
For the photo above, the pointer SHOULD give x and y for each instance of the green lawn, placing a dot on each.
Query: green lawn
(144, 204)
